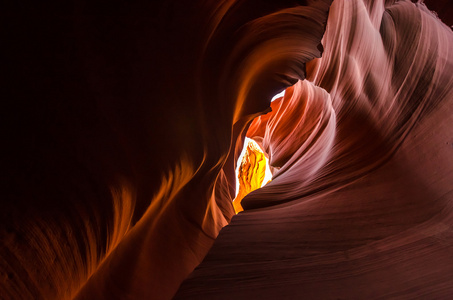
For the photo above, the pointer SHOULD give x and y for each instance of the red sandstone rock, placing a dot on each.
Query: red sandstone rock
(375, 219)
(124, 122)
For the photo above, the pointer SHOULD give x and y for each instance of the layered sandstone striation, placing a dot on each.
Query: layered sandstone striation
(124, 122)
(361, 203)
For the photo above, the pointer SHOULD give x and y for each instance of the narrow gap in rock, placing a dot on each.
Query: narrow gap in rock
(252, 170)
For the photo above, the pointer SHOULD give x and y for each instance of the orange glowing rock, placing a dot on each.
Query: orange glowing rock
(251, 173)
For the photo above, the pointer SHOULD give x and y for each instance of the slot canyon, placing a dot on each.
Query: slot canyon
(124, 123)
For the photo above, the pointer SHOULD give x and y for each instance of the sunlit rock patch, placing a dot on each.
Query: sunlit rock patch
(252, 172)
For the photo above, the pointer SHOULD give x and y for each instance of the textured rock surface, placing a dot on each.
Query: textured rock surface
(123, 122)
(365, 181)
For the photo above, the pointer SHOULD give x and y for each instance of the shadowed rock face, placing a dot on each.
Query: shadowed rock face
(123, 123)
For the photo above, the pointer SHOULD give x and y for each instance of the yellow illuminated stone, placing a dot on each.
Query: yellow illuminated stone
(251, 173)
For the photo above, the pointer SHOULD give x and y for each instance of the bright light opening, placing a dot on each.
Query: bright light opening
(268, 174)
(281, 94)
(252, 169)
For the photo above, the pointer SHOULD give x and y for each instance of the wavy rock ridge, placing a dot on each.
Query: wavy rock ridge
(124, 122)
(363, 148)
